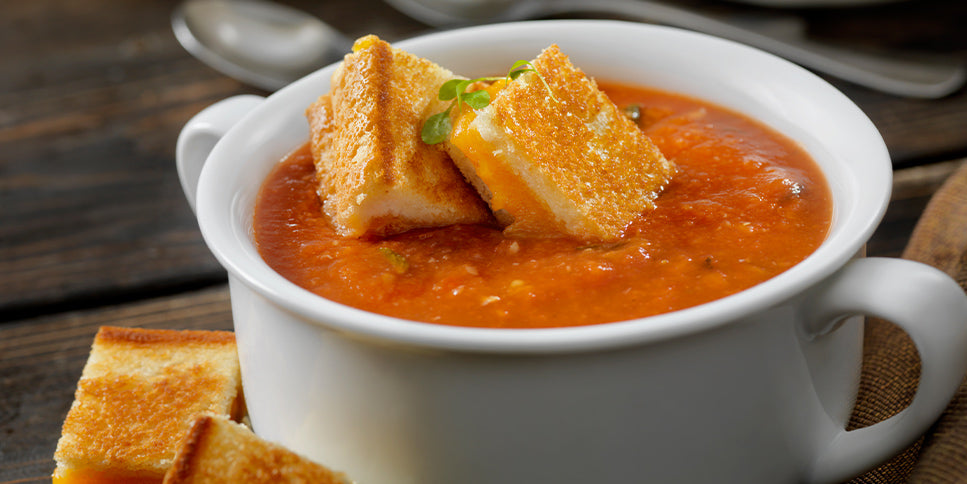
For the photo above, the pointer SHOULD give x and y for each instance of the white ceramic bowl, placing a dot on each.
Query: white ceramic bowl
(755, 387)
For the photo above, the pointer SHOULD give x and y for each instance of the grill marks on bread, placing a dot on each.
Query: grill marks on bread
(135, 400)
(217, 451)
(376, 176)
(541, 159)
(383, 62)
(560, 162)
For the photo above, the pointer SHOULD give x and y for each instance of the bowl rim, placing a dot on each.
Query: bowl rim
(225, 238)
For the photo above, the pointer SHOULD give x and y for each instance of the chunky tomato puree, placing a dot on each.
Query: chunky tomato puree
(745, 205)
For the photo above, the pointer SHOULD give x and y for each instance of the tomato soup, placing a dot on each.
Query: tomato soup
(745, 205)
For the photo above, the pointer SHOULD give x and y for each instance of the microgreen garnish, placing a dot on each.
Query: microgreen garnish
(437, 128)
(397, 262)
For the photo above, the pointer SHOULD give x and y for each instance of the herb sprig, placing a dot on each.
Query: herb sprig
(437, 128)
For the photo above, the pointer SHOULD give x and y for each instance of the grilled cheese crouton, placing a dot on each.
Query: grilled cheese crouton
(136, 399)
(560, 157)
(376, 176)
(217, 451)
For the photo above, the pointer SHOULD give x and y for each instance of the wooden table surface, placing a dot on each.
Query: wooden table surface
(94, 228)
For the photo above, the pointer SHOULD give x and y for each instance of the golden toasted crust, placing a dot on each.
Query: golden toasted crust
(571, 163)
(137, 396)
(217, 450)
(376, 176)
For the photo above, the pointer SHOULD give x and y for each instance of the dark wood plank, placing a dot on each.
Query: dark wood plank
(916, 131)
(912, 190)
(97, 101)
(41, 360)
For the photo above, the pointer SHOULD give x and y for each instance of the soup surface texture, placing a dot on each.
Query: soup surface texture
(745, 205)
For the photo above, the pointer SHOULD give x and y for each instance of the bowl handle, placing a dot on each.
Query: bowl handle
(932, 309)
(202, 132)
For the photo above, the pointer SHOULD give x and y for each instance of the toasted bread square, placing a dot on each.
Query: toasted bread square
(559, 158)
(376, 176)
(217, 450)
(136, 399)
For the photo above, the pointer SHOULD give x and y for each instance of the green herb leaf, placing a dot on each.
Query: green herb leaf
(515, 74)
(437, 128)
(461, 88)
(517, 69)
(397, 262)
(477, 99)
(448, 90)
(464, 84)
(521, 66)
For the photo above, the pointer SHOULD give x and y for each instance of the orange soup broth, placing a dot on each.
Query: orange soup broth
(745, 205)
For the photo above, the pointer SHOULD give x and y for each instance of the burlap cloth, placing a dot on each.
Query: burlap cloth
(891, 367)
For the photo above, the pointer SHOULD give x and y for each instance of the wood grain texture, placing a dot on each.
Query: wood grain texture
(912, 190)
(92, 109)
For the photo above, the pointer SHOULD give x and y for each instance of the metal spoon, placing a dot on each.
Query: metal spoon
(265, 44)
(269, 45)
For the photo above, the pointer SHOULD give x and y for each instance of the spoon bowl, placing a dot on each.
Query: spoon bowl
(264, 44)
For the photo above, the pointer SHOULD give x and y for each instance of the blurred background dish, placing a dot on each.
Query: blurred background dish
(814, 3)
(269, 45)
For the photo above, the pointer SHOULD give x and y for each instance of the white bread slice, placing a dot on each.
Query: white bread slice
(136, 399)
(376, 176)
(217, 450)
(559, 158)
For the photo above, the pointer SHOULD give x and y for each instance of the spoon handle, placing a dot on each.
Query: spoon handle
(920, 78)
